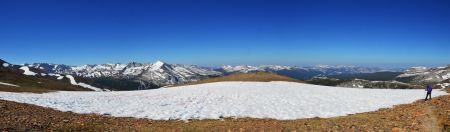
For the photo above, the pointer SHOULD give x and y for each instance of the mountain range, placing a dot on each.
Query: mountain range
(426, 75)
(158, 73)
(19, 78)
(163, 74)
(134, 75)
(412, 78)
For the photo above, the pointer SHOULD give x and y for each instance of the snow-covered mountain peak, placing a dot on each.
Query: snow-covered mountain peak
(158, 73)
(162, 74)
(158, 62)
(157, 65)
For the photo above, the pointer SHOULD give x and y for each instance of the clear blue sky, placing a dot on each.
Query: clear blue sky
(215, 32)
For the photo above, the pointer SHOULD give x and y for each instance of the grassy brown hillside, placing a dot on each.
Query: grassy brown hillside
(431, 115)
(251, 77)
(38, 85)
(14, 75)
(35, 84)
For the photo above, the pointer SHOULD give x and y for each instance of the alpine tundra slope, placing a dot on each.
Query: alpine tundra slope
(276, 100)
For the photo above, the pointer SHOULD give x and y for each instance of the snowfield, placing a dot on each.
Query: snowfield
(9, 84)
(277, 100)
(73, 82)
(5, 65)
(27, 71)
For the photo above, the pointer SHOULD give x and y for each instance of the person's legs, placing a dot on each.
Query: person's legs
(428, 94)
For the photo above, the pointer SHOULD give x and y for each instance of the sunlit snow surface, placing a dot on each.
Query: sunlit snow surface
(278, 100)
(5, 65)
(73, 82)
(9, 84)
(27, 71)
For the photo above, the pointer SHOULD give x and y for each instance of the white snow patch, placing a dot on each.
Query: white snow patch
(27, 71)
(157, 65)
(447, 76)
(444, 85)
(277, 100)
(5, 65)
(59, 77)
(53, 74)
(89, 86)
(9, 84)
(73, 82)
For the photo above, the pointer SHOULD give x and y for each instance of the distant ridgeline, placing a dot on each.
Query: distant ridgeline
(413, 78)
(138, 76)
(134, 76)
(18, 78)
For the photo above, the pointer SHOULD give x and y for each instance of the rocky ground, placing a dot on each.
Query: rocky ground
(422, 115)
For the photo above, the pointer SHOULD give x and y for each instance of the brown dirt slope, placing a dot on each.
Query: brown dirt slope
(431, 122)
(33, 83)
(406, 117)
(36, 84)
(250, 77)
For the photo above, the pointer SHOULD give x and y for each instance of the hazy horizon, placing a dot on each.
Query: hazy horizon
(385, 66)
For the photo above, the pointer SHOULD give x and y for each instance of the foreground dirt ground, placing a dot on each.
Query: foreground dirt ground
(431, 115)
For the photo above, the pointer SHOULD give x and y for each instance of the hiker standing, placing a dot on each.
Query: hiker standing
(428, 89)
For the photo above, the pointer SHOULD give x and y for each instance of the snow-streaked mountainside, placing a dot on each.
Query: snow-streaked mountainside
(138, 76)
(321, 69)
(426, 75)
(360, 83)
(343, 69)
(277, 100)
(302, 73)
(73, 82)
(13, 73)
(412, 78)
(158, 73)
(162, 74)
